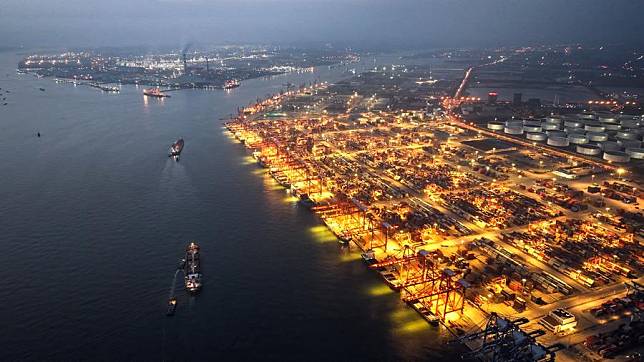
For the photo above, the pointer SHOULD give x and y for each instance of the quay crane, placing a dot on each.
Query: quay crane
(503, 340)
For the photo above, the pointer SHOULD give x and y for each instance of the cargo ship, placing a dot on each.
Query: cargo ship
(192, 268)
(231, 83)
(175, 149)
(154, 92)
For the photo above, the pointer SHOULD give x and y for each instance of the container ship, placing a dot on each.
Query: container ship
(175, 149)
(231, 83)
(192, 268)
(155, 92)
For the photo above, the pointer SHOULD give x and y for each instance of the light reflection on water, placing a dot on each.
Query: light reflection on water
(95, 217)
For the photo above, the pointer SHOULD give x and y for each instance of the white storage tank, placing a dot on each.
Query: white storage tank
(629, 123)
(607, 119)
(616, 156)
(531, 122)
(590, 150)
(495, 126)
(514, 123)
(556, 133)
(550, 126)
(553, 120)
(611, 146)
(577, 138)
(513, 130)
(627, 134)
(636, 153)
(558, 141)
(597, 136)
(572, 123)
(529, 128)
(573, 130)
(536, 136)
(612, 126)
(630, 143)
(594, 127)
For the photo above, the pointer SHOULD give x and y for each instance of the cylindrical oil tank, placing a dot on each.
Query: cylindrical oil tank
(627, 134)
(513, 130)
(553, 120)
(495, 126)
(577, 138)
(594, 127)
(636, 153)
(529, 128)
(629, 123)
(556, 133)
(571, 123)
(573, 130)
(550, 126)
(536, 136)
(616, 156)
(558, 141)
(514, 123)
(590, 150)
(532, 122)
(597, 136)
(612, 126)
(611, 146)
(607, 118)
(630, 143)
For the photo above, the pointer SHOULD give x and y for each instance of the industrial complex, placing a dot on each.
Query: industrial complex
(514, 225)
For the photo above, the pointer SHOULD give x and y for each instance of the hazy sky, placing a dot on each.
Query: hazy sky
(352, 22)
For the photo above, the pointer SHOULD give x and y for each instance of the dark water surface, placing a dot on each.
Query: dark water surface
(94, 217)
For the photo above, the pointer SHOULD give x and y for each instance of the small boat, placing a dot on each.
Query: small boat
(154, 92)
(306, 201)
(344, 238)
(42, 89)
(172, 306)
(369, 257)
(175, 149)
(231, 83)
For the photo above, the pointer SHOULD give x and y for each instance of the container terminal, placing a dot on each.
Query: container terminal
(521, 248)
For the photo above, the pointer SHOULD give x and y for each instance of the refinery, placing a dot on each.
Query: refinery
(513, 225)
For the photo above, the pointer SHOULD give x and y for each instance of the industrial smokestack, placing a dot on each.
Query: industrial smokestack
(207, 66)
(185, 64)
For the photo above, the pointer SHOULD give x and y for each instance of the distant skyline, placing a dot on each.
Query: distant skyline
(356, 23)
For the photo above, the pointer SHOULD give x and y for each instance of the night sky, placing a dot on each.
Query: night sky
(357, 23)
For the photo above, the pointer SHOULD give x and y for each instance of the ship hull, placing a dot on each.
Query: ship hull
(176, 148)
(192, 269)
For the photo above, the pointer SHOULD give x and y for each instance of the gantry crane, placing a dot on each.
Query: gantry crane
(503, 340)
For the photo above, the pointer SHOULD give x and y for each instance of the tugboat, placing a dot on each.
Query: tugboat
(306, 201)
(231, 83)
(344, 238)
(175, 149)
(155, 92)
(369, 257)
(172, 306)
(192, 268)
